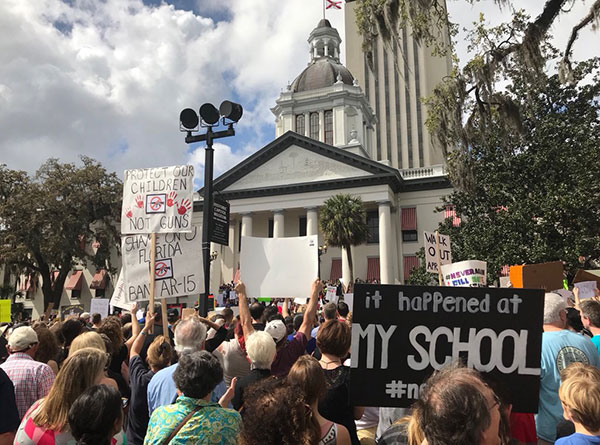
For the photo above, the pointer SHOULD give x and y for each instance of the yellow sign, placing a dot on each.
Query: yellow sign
(4, 311)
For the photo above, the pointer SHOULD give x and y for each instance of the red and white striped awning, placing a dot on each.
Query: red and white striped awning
(99, 280)
(373, 269)
(450, 212)
(410, 262)
(409, 218)
(336, 269)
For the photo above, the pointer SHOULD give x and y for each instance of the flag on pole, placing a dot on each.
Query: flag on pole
(335, 4)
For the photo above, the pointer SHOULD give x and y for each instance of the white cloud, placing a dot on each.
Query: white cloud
(108, 79)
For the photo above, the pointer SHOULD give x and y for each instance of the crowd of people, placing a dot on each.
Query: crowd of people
(274, 374)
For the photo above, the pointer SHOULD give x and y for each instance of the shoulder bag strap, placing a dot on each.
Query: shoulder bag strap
(181, 425)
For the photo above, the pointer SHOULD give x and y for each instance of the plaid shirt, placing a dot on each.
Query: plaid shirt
(32, 380)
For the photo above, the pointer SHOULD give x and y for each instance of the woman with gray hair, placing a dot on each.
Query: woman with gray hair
(193, 418)
(261, 350)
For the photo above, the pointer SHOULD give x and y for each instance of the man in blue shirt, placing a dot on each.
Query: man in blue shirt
(590, 317)
(560, 348)
(190, 336)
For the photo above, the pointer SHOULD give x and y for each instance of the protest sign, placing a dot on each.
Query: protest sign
(587, 289)
(547, 276)
(178, 270)
(279, 267)
(158, 200)
(4, 311)
(331, 293)
(435, 254)
(99, 306)
(349, 300)
(470, 273)
(71, 310)
(401, 334)
(588, 275)
(119, 298)
(187, 312)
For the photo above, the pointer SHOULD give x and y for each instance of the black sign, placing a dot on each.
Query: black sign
(220, 222)
(401, 334)
(72, 310)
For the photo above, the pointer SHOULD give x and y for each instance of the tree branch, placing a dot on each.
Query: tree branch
(595, 9)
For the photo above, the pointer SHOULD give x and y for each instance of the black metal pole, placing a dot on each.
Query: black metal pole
(206, 218)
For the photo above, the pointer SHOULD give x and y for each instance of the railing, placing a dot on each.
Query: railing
(423, 172)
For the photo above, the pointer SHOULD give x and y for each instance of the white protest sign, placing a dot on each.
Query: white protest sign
(158, 200)
(119, 298)
(349, 300)
(470, 273)
(99, 306)
(279, 267)
(432, 252)
(178, 270)
(331, 293)
(586, 289)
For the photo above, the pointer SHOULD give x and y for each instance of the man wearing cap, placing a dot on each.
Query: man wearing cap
(287, 351)
(32, 380)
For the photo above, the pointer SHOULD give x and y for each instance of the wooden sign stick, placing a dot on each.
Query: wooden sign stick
(165, 322)
(152, 275)
(439, 260)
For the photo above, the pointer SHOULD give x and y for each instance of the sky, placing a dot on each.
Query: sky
(108, 78)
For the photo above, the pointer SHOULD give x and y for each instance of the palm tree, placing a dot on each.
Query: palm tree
(343, 223)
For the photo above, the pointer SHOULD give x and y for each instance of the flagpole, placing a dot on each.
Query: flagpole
(323, 9)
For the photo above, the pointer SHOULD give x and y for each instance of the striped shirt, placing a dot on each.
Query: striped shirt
(32, 380)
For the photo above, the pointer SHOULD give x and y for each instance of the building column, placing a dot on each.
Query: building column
(322, 125)
(278, 223)
(246, 224)
(386, 273)
(312, 221)
(307, 124)
(345, 267)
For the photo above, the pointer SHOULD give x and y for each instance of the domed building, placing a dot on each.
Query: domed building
(325, 144)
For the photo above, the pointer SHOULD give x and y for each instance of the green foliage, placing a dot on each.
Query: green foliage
(535, 196)
(47, 218)
(342, 220)
(419, 276)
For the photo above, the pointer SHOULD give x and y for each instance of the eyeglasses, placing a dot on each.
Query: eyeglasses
(497, 402)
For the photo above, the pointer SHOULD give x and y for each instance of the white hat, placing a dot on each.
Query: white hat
(277, 330)
(84, 315)
(22, 339)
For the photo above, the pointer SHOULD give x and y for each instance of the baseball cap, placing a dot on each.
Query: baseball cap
(84, 315)
(22, 338)
(276, 329)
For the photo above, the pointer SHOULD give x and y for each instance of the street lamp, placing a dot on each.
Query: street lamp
(189, 122)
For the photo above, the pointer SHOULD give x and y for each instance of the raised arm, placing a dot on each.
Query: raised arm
(285, 308)
(311, 309)
(245, 318)
(138, 344)
(135, 327)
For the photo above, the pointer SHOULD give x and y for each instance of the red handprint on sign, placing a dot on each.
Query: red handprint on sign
(171, 199)
(184, 206)
(139, 202)
(128, 213)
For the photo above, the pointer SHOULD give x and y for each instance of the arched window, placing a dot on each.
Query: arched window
(329, 127)
(314, 126)
(300, 127)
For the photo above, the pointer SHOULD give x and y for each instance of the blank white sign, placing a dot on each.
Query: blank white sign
(279, 267)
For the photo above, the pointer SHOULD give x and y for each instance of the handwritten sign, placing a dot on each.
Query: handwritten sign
(71, 310)
(432, 253)
(587, 289)
(279, 267)
(99, 306)
(158, 200)
(331, 294)
(401, 334)
(465, 274)
(178, 270)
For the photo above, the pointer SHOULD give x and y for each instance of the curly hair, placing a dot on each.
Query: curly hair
(48, 344)
(276, 411)
(111, 326)
(197, 374)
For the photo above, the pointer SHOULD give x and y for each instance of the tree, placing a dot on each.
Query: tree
(476, 90)
(47, 220)
(343, 222)
(534, 197)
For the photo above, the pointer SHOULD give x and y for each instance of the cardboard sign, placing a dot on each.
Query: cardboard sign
(588, 275)
(547, 276)
(187, 312)
(401, 334)
(158, 200)
(279, 267)
(178, 269)
(470, 273)
(68, 311)
(4, 311)
(99, 306)
(432, 253)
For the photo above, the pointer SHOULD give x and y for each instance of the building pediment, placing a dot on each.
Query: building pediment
(293, 162)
